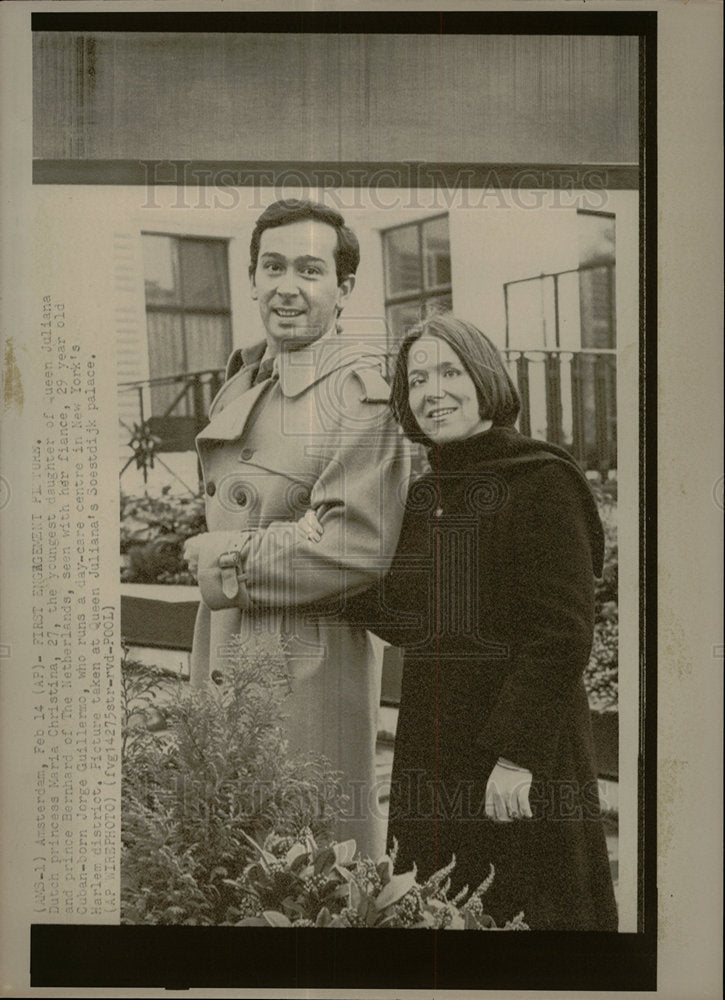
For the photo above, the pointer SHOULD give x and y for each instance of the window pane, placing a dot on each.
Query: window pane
(437, 253)
(402, 261)
(166, 357)
(401, 319)
(208, 341)
(438, 304)
(204, 274)
(161, 270)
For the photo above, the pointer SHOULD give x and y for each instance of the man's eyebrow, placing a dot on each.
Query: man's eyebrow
(302, 257)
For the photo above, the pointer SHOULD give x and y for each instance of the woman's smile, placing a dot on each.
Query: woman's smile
(441, 393)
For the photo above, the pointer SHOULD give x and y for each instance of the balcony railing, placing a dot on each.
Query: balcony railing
(149, 431)
(567, 397)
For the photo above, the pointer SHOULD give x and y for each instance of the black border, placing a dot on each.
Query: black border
(195, 957)
(350, 174)
(185, 957)
(354, 22)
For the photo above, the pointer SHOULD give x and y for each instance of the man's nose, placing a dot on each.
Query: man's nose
(287, 283)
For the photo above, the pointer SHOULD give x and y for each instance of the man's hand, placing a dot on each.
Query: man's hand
(309, 527)
(191, 554)
(507, 792)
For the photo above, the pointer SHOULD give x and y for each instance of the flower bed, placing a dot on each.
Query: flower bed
(153, 532)
(207, 777)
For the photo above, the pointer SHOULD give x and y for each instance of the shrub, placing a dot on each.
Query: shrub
(153, 532)
(296, 883)
(200, 794)
(601, 674)
(219, 773)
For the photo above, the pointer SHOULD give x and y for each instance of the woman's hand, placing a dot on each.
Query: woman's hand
(309, 527)
(191, 554)
(507, 792)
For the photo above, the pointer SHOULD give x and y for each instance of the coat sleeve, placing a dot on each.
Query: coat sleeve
(359, 497)
(551, 613)
(400, 606)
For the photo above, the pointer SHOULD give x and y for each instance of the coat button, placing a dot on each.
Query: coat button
(246, 454)
(238, 495)
(210, 488)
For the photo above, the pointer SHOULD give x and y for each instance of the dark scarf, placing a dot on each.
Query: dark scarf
(502, 448)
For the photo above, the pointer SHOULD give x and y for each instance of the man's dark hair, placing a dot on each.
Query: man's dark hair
(282, 213)
(498, 398)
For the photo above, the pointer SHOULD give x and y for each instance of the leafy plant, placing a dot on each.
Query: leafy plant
(218, 773)
(153, 532)
(602, 672)
(296, 883)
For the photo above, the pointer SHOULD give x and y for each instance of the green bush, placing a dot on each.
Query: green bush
(296, 883)
(601, 675)
(153, 532)
(202, 789)
(215, 775)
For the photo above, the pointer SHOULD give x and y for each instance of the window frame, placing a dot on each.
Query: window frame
(184, 310)
(424, 294)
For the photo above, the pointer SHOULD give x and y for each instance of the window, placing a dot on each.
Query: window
(417, 261)
(188, 314)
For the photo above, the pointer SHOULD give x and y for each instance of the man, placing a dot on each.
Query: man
(302, 422)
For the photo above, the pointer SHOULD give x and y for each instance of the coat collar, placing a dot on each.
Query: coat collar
(297, 371)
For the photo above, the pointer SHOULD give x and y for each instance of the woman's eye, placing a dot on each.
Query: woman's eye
(450, 371)
(416, 380)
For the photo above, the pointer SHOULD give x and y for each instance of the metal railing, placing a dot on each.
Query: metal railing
(149, 428)
(569, 398)
(557, 303)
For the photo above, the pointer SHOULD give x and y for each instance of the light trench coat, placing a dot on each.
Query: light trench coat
(318, 434)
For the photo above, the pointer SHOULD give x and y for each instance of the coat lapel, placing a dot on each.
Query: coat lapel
(230, 408)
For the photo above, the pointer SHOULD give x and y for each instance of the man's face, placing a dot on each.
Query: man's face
(295, 282)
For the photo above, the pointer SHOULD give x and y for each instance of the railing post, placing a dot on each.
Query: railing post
(506, 308)
(552, 375)
(522, 379)
(215, 383)
(601, 413)
(579, 447)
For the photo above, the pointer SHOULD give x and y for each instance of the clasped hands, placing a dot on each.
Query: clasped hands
(308, 527)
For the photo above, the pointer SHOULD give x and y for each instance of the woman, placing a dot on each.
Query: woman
(491, 594)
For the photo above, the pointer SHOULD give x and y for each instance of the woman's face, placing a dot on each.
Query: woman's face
(441, 394)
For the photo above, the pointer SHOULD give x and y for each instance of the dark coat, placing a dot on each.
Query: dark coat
(491, 594)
